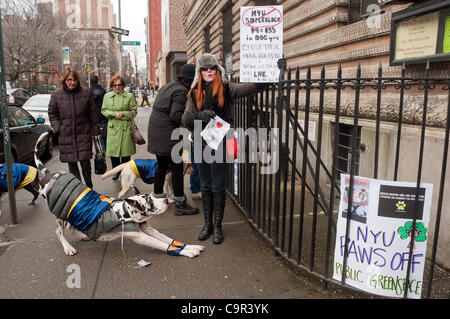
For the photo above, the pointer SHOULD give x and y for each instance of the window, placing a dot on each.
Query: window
(345, 149)
(207, 32)
(265, 2)
(228, 39)
(369, 7)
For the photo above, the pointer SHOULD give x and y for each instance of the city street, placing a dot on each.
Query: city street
(33, 263)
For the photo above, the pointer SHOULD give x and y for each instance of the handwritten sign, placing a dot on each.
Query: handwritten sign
(380, 236)
(261, 43)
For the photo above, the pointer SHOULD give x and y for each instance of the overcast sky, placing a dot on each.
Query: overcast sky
(132, 17)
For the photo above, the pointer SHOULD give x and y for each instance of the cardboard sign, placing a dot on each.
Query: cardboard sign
(261, 43)
(380, 236)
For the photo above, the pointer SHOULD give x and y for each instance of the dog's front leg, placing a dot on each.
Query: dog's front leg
(188, 251)
(68, 249)
(144, 227)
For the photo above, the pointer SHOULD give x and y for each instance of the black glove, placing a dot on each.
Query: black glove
(205, 115)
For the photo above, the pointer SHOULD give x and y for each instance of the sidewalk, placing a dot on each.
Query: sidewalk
(33, 263)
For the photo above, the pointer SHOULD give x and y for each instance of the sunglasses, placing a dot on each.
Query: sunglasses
(116, 85)
(213, 68)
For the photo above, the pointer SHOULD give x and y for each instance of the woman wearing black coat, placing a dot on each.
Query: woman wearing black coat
(166, 116)
(72, 115)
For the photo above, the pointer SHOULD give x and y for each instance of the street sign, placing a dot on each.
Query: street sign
(120, 31)
(131, 42)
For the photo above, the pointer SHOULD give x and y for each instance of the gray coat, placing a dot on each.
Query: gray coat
(166, 116)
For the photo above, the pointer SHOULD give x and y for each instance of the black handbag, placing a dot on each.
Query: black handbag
(99, 158)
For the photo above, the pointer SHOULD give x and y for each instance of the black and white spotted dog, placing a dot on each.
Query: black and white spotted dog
(94, 216)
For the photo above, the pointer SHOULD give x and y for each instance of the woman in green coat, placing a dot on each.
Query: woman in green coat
(117, 108)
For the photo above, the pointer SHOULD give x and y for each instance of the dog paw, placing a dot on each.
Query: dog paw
(70, 251)
(192, 251)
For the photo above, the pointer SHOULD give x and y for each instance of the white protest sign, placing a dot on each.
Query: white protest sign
(261, 43)
(380, 235)
(215, 131)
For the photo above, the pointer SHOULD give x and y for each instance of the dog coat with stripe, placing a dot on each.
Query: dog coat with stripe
(145, 169)
(22, 176)
(76, 203)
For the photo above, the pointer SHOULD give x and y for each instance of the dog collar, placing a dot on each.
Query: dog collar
(175, 248)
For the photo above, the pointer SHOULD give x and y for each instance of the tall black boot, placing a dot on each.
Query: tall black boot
(207, 202)
(219, 200)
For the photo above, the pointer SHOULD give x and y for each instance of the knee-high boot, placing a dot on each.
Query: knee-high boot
(219, 200)
(207, 202)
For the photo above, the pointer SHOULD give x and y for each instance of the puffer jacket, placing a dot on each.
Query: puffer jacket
(166, 116)
(72, 115)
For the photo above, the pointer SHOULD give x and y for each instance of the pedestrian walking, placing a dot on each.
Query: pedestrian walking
(212, 95)
(168, 109)
(98, 92)
(145, 97)
(72, 115)
(118, 106)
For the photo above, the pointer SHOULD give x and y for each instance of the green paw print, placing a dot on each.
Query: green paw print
(400, 205)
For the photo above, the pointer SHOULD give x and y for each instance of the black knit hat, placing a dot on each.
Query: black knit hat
(187, 71)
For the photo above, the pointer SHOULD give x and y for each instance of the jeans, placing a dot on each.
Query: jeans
(212, 177)
(195, 178)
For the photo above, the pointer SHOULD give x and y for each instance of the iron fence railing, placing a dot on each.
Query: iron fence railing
(294, 208)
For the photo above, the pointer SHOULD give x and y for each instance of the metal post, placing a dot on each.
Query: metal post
(120, 43)
(6, 136)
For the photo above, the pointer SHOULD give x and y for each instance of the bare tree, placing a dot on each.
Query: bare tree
(29, 37)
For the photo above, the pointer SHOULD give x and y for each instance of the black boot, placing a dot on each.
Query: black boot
(207, 202)
(183, 208)
(219, 200)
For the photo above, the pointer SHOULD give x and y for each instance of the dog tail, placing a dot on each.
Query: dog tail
(37, 161)
(114, 171)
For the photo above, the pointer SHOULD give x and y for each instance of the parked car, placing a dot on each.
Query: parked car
(17, 96)
(24, 133)
(37, 106)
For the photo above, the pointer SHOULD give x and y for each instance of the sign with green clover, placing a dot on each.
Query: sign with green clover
(381, 233)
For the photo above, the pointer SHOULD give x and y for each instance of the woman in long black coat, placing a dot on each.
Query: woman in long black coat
(72, 115)
(166, 116)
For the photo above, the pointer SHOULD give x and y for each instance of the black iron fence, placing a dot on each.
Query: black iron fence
(391, 128)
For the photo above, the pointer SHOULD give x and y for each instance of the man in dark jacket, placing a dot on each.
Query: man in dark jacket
(98, 92)
(166, 116)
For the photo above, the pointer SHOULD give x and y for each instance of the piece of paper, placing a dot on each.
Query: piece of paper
(215, 131)
(143, 263)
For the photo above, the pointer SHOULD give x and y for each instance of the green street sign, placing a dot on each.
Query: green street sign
(131, 42)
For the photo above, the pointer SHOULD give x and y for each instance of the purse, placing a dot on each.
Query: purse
(136, 136)
(99, 158)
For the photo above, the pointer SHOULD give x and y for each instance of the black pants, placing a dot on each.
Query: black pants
(116, 161)
(85, 170)
(177, 175)
(145, 99)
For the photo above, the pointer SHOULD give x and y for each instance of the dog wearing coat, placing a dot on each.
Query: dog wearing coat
(93, 216)
(24, 176)
(144, 169)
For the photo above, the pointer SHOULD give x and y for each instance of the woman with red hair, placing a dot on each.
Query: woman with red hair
(211, 94)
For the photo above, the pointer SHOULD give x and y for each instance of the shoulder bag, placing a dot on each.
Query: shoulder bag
(136, 136)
